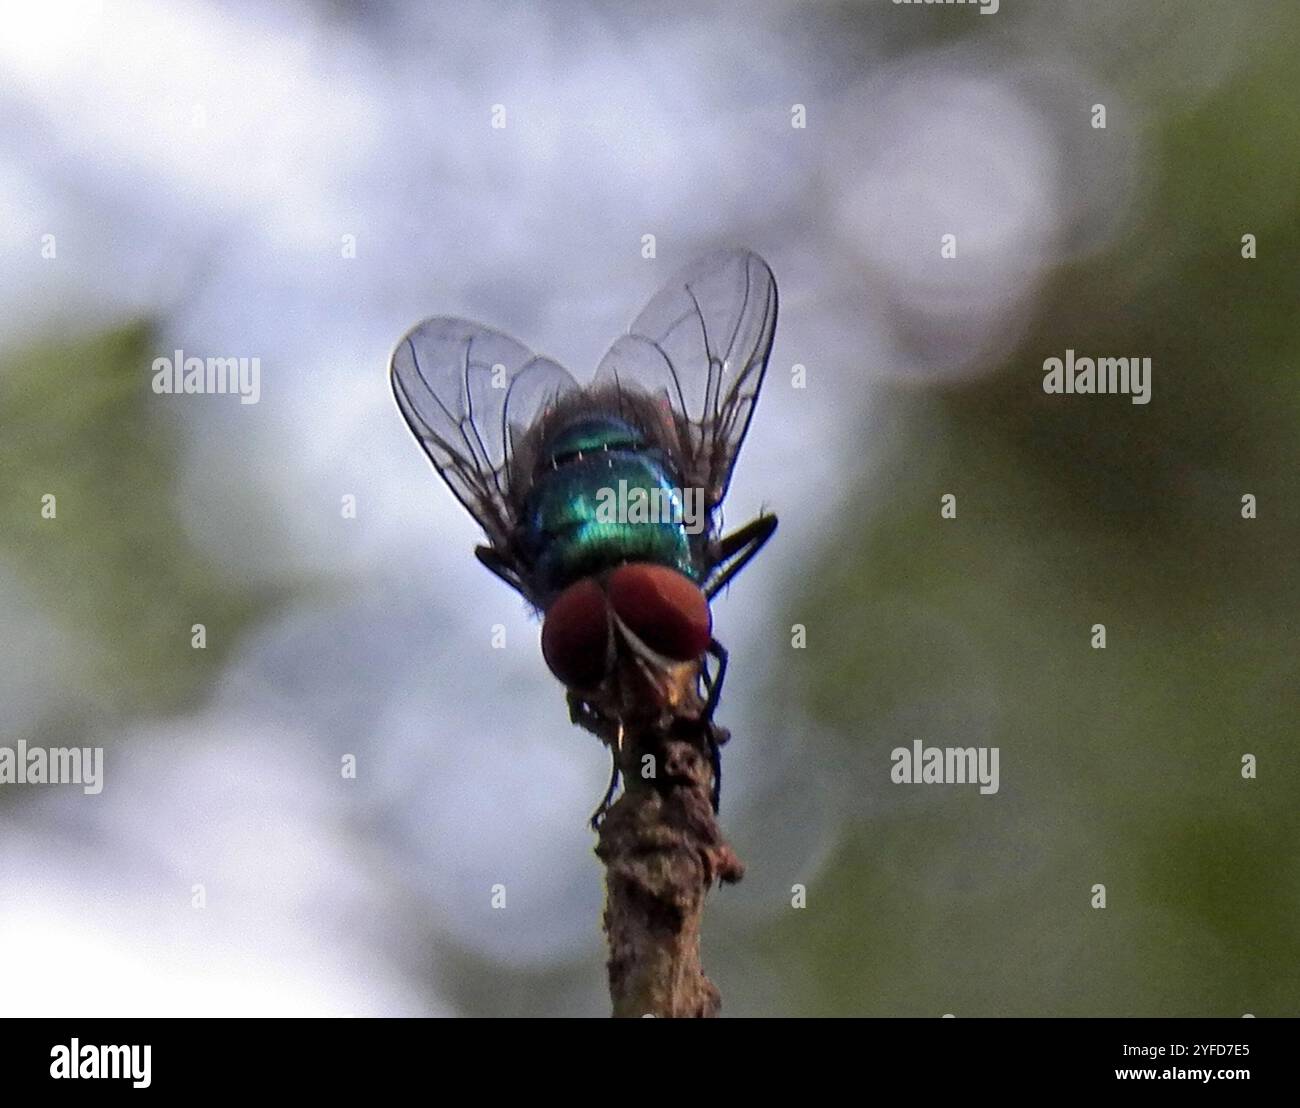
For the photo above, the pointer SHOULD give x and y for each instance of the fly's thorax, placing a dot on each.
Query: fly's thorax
(601, 509)
(595, 433)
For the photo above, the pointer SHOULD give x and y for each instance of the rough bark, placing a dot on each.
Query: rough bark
(663, 850)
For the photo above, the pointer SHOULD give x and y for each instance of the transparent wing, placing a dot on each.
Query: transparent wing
(468, 393)
(704, 340)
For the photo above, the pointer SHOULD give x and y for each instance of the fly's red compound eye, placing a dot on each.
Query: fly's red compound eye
(664, 609)
(575, 636)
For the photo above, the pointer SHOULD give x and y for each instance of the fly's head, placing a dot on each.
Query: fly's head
(630, 643)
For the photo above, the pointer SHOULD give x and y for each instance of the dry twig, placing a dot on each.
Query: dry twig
(663, 850)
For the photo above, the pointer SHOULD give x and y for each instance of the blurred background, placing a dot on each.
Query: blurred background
(301, 184)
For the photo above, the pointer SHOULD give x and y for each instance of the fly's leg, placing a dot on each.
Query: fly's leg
(715, 756)
(585, 716)
(579, 713)
(715, 735)
(598, 816)
(713, 684)
(733, 553)
(735, 550)
(493, 560)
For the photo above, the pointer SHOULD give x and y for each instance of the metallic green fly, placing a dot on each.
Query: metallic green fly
(600, 502)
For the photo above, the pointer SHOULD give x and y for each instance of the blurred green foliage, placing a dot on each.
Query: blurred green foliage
(114, 568)
(1123, 766)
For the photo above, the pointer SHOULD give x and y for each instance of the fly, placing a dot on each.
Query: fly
(584, 492)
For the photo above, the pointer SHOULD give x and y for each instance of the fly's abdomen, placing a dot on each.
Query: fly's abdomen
(596, 512)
